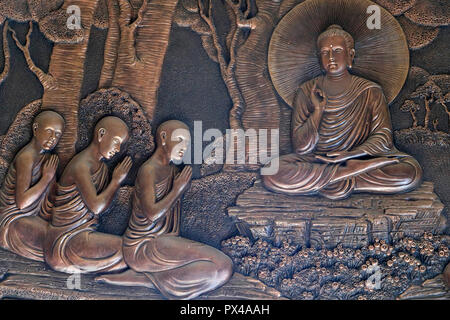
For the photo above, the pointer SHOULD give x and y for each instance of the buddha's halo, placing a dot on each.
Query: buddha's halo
(382, 55)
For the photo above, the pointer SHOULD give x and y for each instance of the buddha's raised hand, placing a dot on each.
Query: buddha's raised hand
(318, 98)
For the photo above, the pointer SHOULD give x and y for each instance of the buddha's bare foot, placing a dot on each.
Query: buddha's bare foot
(129, 278)
(356, 167)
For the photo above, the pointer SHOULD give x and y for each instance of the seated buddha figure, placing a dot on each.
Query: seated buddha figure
(153, 249)
(341, 133)
(25, 204)
(72, 243)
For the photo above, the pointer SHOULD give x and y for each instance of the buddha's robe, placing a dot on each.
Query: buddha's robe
(22, 231)
(179, 268)
(72, 245)
(358, 120)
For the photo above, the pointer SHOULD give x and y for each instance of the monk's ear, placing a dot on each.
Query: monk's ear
(101, 134)
(35, 127)
(163, 137)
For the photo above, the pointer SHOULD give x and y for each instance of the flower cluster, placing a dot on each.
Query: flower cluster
(341, 273)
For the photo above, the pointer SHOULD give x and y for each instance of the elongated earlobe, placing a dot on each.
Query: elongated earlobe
(352, 58)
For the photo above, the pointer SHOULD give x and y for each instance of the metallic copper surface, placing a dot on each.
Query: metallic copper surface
(157, 256)
(25, 196)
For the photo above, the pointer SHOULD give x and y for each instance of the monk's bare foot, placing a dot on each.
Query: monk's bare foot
(356, 167)
(129, 278)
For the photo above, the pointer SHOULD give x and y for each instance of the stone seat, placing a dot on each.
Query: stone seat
(354, 222)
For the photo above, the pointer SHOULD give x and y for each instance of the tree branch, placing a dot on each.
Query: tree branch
(238, 101)
(427, 113)
(446, 108)
(125, 13)
(47, 81)
(128, 29)
(140, 17)
(236, 34)
(111, 45)
(6, 53)
(220, 51)
(241, 17)
(248, 9)
(227, 68)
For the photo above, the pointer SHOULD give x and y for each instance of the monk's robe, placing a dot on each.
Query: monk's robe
(357, 120)
(22, 231)
(179, 268)
(72, 244)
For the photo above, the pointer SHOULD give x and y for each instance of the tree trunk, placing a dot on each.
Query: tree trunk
(413, 114)
(447, 111)
(141, 54)
(427, 113)
(263, 108)
(6, 53)
(67, 68)
(111, 45)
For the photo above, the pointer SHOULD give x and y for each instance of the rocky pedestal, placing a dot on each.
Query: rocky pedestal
(25, 279)
(431, 289)
(354, 222)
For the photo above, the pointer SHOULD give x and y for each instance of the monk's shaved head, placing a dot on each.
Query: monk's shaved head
(48, 117)
(169, 127)
(48, 127)
(110, 134)
(112, 125)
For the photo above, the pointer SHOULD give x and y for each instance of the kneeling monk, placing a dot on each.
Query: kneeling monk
(342, 133)
(25, 207)
(82, 194)
(158, 257)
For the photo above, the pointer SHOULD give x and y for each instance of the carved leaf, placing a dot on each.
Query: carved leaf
(396, 7)
(40, 9)
(417, 36)
(409, 105)
(432, 13)
(54, 27)
(15, 9)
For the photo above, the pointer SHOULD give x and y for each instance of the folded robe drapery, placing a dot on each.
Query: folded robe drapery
(22, 231)
(357, 120)
(171, 262)
(72, 244)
